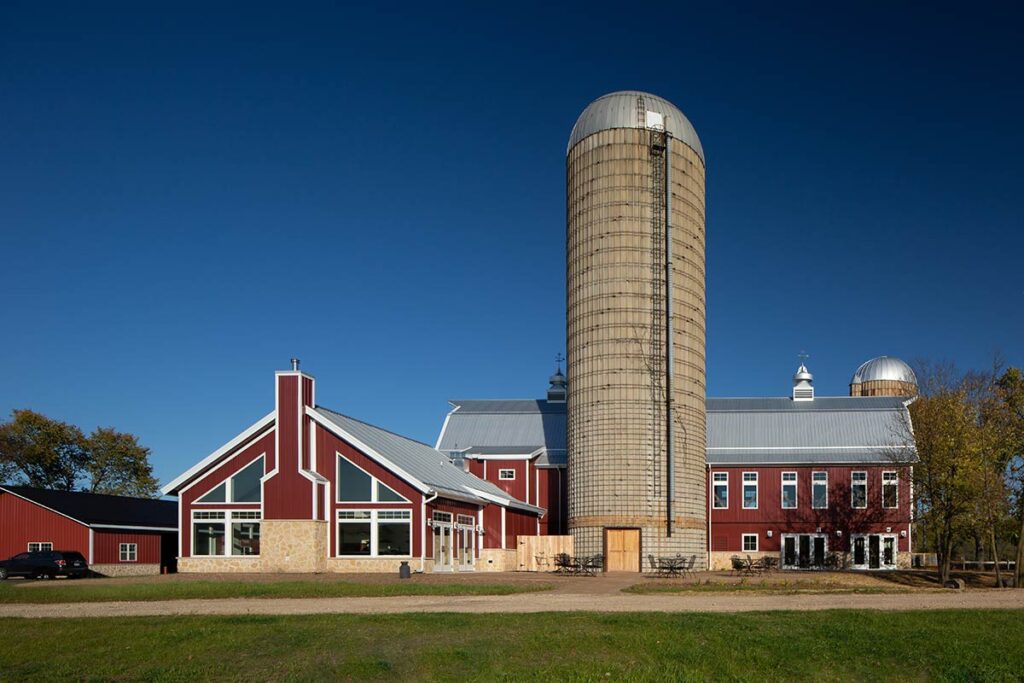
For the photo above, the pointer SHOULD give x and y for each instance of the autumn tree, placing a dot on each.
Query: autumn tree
(1009, 390)
(38, 451)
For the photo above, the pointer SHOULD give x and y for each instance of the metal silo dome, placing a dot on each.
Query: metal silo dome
(624, 109)
(884, 368)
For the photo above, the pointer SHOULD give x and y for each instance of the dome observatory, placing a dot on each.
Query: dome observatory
(635, 331)
(883, 376)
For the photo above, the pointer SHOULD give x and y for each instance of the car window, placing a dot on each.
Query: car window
(74, 556)
(20, 556)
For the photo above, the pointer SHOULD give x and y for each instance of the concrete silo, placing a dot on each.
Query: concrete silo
(635, 331)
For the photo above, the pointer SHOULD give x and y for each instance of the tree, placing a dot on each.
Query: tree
(948, 442)
(118, 465)
(1010, 393)
(38, 451)
(42, 452)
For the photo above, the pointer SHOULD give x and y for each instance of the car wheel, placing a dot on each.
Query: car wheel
(3, 573)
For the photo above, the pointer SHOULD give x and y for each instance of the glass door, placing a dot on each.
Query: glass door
(789, 551)
(442, 547)
(466, 538)
(858, 550)
(889, 551)
(874, 558)
(805, 551)
(819, 551)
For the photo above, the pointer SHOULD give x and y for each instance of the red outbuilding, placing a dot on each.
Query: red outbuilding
(118, 535)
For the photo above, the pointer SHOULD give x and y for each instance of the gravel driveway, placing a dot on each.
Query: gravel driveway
(556, 601)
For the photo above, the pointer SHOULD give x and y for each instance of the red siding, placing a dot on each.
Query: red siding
(727, 526)
(106, 547)
(518, 524)
(239, 459)
(552, 495)
(327, 448)
(22, 522)
(492, 527)
(288, 494)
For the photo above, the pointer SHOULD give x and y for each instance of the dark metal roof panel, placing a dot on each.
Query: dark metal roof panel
(97, 508)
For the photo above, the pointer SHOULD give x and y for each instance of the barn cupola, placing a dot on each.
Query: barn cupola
(803, 384)
(558, 389)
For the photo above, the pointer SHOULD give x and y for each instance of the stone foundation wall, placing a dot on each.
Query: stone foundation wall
(126, 569)
(226, 565)
(496, 560)
(722, 560)
(293, 545)
(375, 565)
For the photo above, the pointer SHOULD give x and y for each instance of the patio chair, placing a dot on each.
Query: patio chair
(592, 565)
(690, 564)
(655, 567)
(563, 563)
(738, 564)
(770, 563)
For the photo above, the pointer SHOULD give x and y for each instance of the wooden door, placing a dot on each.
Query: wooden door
(622, 550)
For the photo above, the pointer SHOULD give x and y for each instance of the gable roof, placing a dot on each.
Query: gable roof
(839, 429)
(96, 509)
(829, 429)
(423, 463)
(508, 427)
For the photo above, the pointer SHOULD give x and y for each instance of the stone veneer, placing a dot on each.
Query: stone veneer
(374, 565)
(126, 569)
(722, 560)
(293, 545)
(225, 565)
(496, 560)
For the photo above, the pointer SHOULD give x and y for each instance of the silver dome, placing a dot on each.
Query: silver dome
(884, 368)
(802, 374)
(619, 110)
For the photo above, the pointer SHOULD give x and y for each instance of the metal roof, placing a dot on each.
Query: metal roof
(504, 423)
(884, 368)
(619, 110)
(828, 429)
(101, 509)
(419, 460)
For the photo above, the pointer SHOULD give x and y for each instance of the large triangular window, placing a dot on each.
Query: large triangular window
(242, 487)
(355, 485)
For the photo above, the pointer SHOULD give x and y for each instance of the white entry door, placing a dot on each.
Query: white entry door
(442, 547)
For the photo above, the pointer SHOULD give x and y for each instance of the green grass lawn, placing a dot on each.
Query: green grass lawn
(775, 587)
(107, 590)
(812, 646)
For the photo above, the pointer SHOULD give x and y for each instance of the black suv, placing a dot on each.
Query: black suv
(45, 564)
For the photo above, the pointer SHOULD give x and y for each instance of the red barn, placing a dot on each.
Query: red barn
(814, 482)
(118, 536)
(308, 489)
(517, 445)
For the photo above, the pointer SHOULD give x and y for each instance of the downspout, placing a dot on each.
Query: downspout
(669, 355)
(711, 497)
(423, 527)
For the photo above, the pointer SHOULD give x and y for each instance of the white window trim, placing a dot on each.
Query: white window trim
(866, 566)
(40, 548)
(228, 519)
(229, 487)
(813, 484)
(373, 521)
(864, 484)
(796, 537)
(757, 491)
(374, 491)
(506, 471)
(128, 552)
(743, 542)
(724, 481)
(895, 484)
(796, 491)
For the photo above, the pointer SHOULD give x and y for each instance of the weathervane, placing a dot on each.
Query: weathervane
(558, 360)
(803, 356)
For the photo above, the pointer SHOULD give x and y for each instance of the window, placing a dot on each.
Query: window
(375, 533)
(859, 489)
(750, 543)
(506, 475)
(39, 547)
(466, 520)
(354, 485)
(819, 490)
(442, 517)
(210, 529)
(244, 486)
(789, 490)
(357, 486)
(750, 490)
(129, 552)
(890, 494)
(720, 490)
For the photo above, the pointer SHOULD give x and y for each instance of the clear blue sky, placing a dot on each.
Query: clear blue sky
(188, 199)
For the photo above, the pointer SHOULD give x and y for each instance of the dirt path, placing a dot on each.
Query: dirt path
(556, 601)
